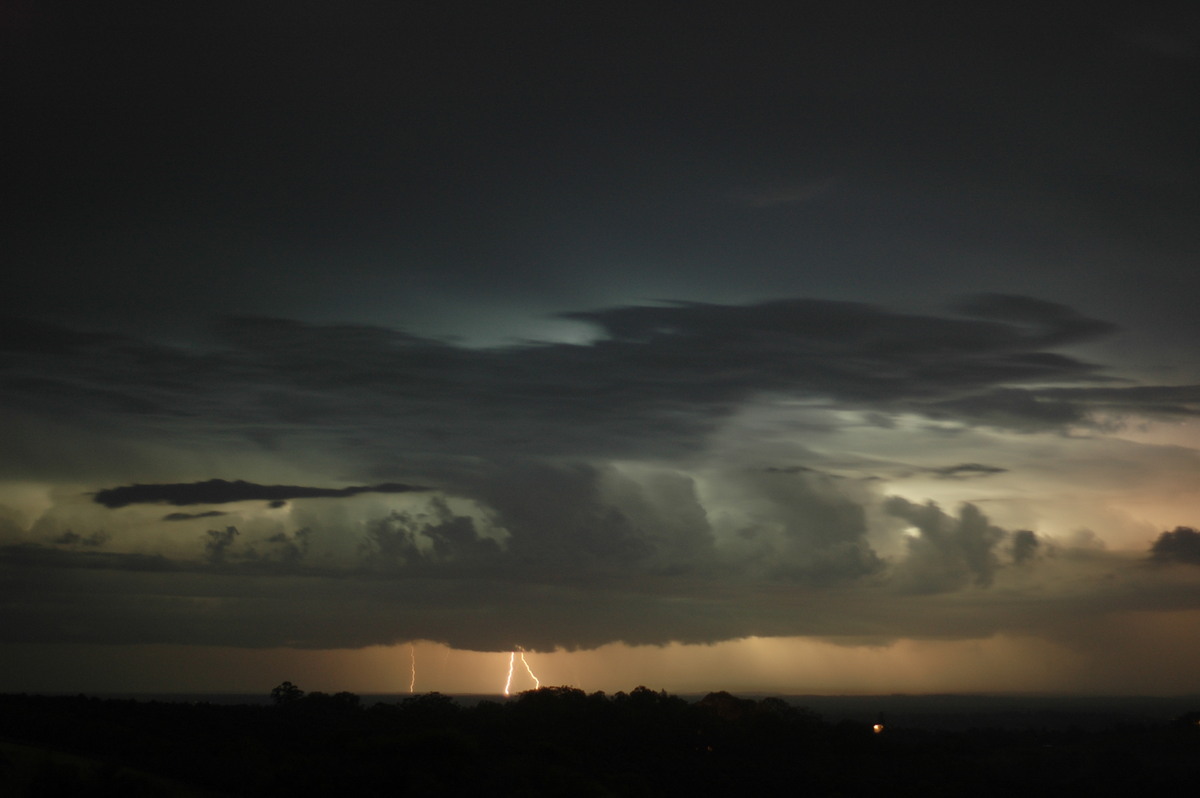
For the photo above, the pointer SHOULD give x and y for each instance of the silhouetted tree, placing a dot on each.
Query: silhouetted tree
(286, 693)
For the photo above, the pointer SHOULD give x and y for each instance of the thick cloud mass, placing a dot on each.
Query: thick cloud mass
(585, 493)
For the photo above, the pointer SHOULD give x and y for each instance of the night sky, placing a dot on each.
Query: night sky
(848, 347)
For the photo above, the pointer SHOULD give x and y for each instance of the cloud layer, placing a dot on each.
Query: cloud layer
(655, 381)
(575, 494)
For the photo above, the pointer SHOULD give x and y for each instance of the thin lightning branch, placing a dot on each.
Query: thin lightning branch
(511, 659)
(412, 655)
(537, 683)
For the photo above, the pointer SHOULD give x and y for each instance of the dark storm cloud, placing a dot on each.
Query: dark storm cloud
(967, 471)
(1182, 545)
(658, 381)
(219, 491)
(191, 516)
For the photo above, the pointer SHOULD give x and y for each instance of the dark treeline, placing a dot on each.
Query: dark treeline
(556, 741)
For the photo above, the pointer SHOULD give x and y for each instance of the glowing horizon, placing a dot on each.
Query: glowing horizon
(792, 666)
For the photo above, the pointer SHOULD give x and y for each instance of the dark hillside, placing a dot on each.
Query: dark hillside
(556, 741)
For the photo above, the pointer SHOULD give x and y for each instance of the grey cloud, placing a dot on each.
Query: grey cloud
(1025, 545)
(1045, 323)
(557, 554)
(291, 549)
(219, 491)
(332, 611)
(191, 516)
(66, 394)
(661, 378)
(319, 610)
(580, 553)
(1154, 400)
(1011, 408)
(278, 554)
(218, 542)
(802, 527)
(947, 552)
(434, 537)
(967, 471)
(70, 538)
(434, 573)
(1181, 545)
(589, 519)
(1040, 409)
(29, 555)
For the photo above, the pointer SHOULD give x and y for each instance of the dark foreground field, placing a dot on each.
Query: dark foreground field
(560, 741)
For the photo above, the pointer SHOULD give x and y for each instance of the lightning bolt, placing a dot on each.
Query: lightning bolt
(512, 662)
(412, 657)
(536, 681)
